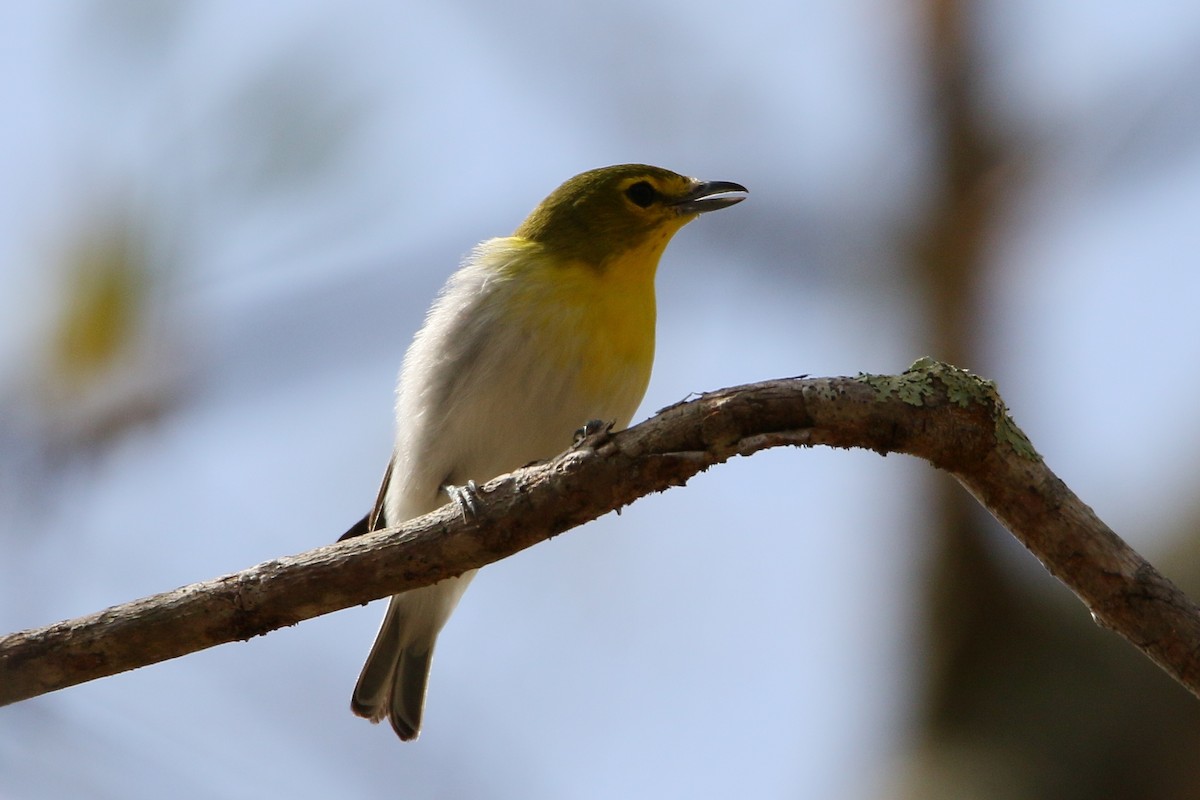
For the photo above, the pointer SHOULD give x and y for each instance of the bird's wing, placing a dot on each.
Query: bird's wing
(375, 519)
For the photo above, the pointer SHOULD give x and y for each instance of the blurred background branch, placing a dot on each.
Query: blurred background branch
(1021, 698)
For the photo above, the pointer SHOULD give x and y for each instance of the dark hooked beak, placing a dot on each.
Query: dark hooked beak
(709, 196)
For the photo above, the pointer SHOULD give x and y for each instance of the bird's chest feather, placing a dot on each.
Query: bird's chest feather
(512, 362)
(596, 330)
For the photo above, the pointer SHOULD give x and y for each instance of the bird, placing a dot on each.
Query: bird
(534, 335)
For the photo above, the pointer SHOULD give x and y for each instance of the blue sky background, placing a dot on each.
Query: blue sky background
(303, 177)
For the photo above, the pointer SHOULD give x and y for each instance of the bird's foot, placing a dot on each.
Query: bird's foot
(591, 434)
(466, 497)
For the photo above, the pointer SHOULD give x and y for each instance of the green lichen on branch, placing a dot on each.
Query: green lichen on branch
(911, 386)
(927, 378)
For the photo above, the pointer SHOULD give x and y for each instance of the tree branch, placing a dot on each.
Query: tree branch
(948, 417)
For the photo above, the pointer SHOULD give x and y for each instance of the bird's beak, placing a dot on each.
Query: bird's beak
(709, 196)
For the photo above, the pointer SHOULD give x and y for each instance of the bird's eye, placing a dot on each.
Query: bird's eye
(642, 194)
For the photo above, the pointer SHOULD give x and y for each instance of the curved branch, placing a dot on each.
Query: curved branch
(948, 417)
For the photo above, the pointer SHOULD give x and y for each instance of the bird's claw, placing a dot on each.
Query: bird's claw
(592, 432)
(466, 497)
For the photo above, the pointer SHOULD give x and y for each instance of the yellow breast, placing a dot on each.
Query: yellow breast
(596, 325)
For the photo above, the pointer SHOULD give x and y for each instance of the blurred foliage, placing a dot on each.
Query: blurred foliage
(108, 364)
(105, 293)
(116, 351)
(286, 127)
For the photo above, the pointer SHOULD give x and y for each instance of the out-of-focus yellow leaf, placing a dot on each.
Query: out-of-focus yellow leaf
(104, 298)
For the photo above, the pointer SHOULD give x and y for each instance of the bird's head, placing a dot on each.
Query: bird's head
(607, 213)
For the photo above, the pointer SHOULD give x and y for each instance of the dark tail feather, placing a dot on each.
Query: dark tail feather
(408, 693)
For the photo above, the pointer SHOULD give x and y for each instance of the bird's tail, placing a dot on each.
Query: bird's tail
(393, 681)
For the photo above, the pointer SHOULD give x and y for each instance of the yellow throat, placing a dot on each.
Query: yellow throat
(593, 249)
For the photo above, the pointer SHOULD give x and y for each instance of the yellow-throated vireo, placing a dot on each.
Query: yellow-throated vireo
(535, 335)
